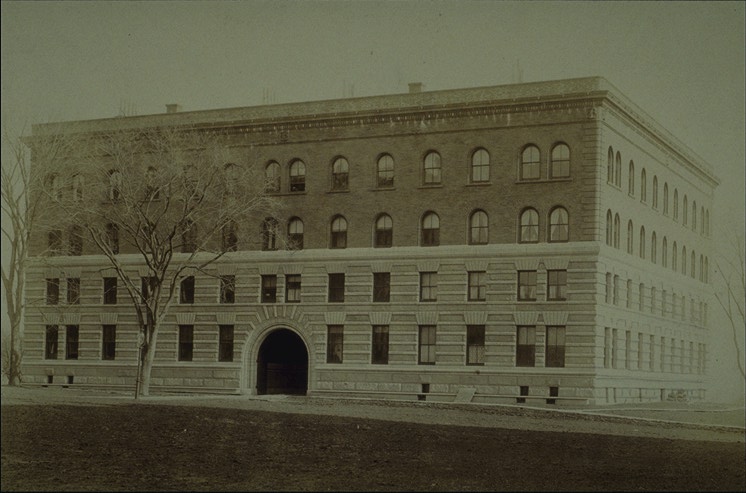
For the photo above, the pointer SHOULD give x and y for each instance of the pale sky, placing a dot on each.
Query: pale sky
(682, 62)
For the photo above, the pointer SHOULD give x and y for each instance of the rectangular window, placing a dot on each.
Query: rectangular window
(640, 344)
(292, 288)
(527, 285)
(428, 286)
(186, 342)
(475, 344)
(186, 293)
(336, 288)
(614, 347)
(651, 353)
(50, 342)
(109, 342)
(227, 289)
(607, 347)
(477, 286)
(53, 291)
(73, 290)
(146, 286)
(269, 288)
(555, 347)
(380, 352)
(110, 290)
(381, 287)
(616, 290)
(71, 342)
(557, 285)
(526, 347)
(334, 343)
(523, 392)
(225, 349)
(628, 350)
(427, 345)
(553, 394)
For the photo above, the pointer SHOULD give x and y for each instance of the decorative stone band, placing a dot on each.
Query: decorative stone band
(70, 318)
(267, 269)
(475, 318)
(336, 268)
(556, 263)
(476, 265)
(555, 318)
(185, 318)
(527, 264)
(225, 318)
(428, 266)
(71, 272)
(526, 318)
(227, 269)
(427, 318)
(380, 318)
(294, 268)
(335, 318)
(108, 318)
(53, 273)
(51, 318)
(381, 267)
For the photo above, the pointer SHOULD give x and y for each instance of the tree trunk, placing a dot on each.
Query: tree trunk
(14, 368)
(147, 363)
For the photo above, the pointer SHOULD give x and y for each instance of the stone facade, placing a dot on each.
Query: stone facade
(628, 336)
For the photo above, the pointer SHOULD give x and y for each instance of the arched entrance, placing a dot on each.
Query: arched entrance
(282, 364)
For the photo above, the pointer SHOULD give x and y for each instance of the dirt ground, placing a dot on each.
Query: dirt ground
(60, 439)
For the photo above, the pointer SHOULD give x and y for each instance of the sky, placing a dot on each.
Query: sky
(682, 62)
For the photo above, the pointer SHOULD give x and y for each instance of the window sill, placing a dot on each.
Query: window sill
(381, 189)
(479, 184)
(434, 185)
(339, 191)
(542, 180)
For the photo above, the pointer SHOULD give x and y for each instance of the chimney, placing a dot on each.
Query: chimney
(415, 87)
(173, 108)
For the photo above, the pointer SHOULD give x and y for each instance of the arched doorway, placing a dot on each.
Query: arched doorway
(282, 364)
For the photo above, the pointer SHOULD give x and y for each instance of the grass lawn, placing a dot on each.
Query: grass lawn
(159, 447)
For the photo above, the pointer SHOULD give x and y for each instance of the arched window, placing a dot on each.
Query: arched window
(480, 166)
(701, 267)
(189, 237)
(643, 186)
(694, 215)
(478, 228)
(272, 177)
(295, 233)
(618, 170)
(665, 198)
(631, 186)
(702, 220)
(664, 252)
(76, 240)
(685, 209)
(674, 257)
(432, 169)
(616, 231)
(610, 166)
(559, 225)
(384, 234)
(78, 186)
(152, 189)
(675, 204)
(529, 232)
(430, 229)
(683, 260)
(630, 237)
(115, 185)
(298, 176)
(339, 232)
(642, 241)
(230, 177)
(112, 237)
(560, 167)
(655, 192)
(385, 177)
(340, 174)
(653, 248)
(269, 234)
(608, 228)
(530, 163)
(229, 237)
(55, 185)
(693, 265)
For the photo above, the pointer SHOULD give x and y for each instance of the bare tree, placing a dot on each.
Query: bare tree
(22, 209)
(731, 292)
(162, 204)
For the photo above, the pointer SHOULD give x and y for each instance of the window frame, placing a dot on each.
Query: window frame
(563, 162)
(72, 341)
(384, 168)
(479, 169)
(557, 283)
(379, 343)
(268, 293)
(73, 290)
(381, 287)
(186, 343)
(430, 236)
(556, 215)
(293, 286)
(297, 173)
(336, 287)
(52, 291)
(110, 290)
(295, 237)
(335, 344)
(227, 289)
(475, 346)
(187, 287)
(383, 236)
(108, 342)
(528, 163)
(527, 280)
(432, 169)
(476, 285)
(338, 227)
(555, 352)
(525, 353)
(428, 287)
(479, 227)
(340, 179)
(226, 341)
(427, 344)
(527, 230)
(51, 342)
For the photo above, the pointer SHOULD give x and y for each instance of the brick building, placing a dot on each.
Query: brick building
(537, 242)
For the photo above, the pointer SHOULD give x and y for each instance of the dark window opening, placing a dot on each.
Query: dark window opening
(225, 350)
(475, 344)
(334, 344)
(292, 288)
(380, 352)
(53, 291)
(523, 393)
(50, 342)
(228, 289)
(336, 288)
(110, 290)
(186, 292)
(381, 287)
(71, 342)
(269, 288)
(109, 342)
(186, 342)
